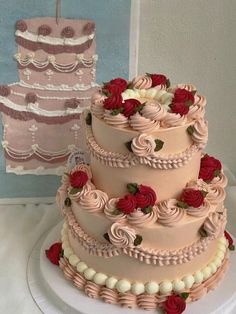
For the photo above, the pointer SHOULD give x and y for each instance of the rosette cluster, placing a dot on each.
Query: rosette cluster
(210, 168)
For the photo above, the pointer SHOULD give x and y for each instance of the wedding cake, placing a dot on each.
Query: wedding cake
(56, 62)
(145, 221)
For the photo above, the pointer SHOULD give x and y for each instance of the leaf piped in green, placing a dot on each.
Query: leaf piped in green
(88, 119)
(67, 202)
(75, 190)
(116, 212)
(203, 233)
(159, 145)
(167, 83)
(138, 240)
(204, 193)
(216, 173)
(188, 103)
(184, 295)
(130, 85)
(193, 92)
(106, 236)
(182, 204)
(128, 146)
(231, 247)
(132, 188)
(61, 253)
(190, 130)
(147, 210)
(115, 112)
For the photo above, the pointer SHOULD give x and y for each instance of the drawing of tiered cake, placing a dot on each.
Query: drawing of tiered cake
(41, 113)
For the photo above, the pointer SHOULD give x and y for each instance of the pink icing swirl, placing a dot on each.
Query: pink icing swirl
(94, 201)
(173, 119)
(109, 209)
(87, 188)
(147, 302)
(109, 296)
(216, 195)
(142, 82)
(139, 219)
(92, 289)
(200, 211)
(121, 236)
(200, 100)
(97, 105)
(169, 214)
(79, 281)
(198, 184)
(143, 145)
(61, 196)
(196, 112)
(154, 111)
(200, 133)
(220, 180)
(119, 120)
(214, 225)
(142, 124)
(127, 300)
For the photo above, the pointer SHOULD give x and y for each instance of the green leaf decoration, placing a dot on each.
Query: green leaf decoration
(148, 74)
(115, 112)
(61, 253)
(147, 210)
(138, 240)
(216, 173)
(132, 188)
(130, 85)
(159, 145)
(106, 93)
(190, 130)
(139, 108)
(203, 233)
(182, 204)
(75, 190)
(66, 174)
(184, 295)
(188, 103)
(88, 119)
(105, 83)
(116, 212)
(231, 247)
(204, 193)
(167, 83)
(128, 146)
(67, 202)
(106, 236)
(193, 92)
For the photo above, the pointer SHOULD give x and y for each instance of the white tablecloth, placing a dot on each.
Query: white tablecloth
(22, 225)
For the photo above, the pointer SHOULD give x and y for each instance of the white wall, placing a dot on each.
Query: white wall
(195, 42)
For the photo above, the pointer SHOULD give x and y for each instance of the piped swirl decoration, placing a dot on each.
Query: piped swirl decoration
(121, 236)
(140, 219)
(199, 211)
(216, 195)
(109, 210)
(142, 124)
(128, 160)
(169, 214)
(154, 111)
(200, 133)
(93, 201)
(143, 145)
(118, 120)
(142, 82)
(215, 223)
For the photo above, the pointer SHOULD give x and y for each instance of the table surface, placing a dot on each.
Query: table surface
(20, 228)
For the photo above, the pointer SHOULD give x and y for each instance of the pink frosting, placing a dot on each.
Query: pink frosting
(109, 296)
(93, 201)
(173, 119)
(143, 145)
(200, 100)
(154, 111)
(196, 112)
(198, 184)
(140, 219)
(118, 120)
(220, 180)
(200, 133)
(97, 104)
(216, 195)
(79, 281)
(147, 302)
(127, 300)
(92, 289)
(169, 214)
(142, 82)
(142, 124)
(109, 209)
(121, 236)
(200, 211)
(86, 188)
(214, 225)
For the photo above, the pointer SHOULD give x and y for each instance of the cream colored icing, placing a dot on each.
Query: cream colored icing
(169, 213)
(200, 100)
(121, 236)
(200, 133)
(214, 225)
(142, 82)
(154, 111)
(143, 145)
(142, 124)
(119, 120)
(93, 201)
(199, 211)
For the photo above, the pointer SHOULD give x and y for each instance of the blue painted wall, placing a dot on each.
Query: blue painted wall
(112, 36)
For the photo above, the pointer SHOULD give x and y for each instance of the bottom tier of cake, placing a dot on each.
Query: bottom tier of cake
(147, 295)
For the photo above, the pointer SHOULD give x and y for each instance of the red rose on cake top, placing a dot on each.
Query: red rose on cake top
(179, 107)
(210, 167)
(191, 197)
(127, 204)
(130, 107)
(78, 179)
(159, 79)
(182, 95)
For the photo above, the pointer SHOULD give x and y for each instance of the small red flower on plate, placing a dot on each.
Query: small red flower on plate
(174, 304)
(54, 253)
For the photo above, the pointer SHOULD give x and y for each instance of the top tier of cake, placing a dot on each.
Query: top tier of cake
(49, 50)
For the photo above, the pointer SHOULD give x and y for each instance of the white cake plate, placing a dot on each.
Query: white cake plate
(53, 294)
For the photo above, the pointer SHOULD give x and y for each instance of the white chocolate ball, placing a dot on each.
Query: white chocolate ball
(206, 272)
(222, 247)
(89, 273)
(217, 262)
(220, 254)
(123, 285)
(73, 260)
(151, 287)
(165, 287)
(178, 285)
(213, 267)
(189, 281)
(137, 288)
(68, 252)
(65, 245)
(100, 278)
(198, 276)
(111, 282)
(223, 240)
(81, 267)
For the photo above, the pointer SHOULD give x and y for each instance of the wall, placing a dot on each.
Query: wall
(112, 30)
(195, 41)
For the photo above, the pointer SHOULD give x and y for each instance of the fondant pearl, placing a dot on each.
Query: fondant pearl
(68, 252)
(137, 288)
(165, 287)
(198, 276)
(217, 262)
(65, 245)
(64, 225)
(220, 254)
(213, 267)
(64, 237)
(89, 273)
(151, 93)
(152, 287)
(123, 285)
(223, 240)
(189, 281)
(73, 260)
(178, 285)
(111, 282)
(100, 279)
(206, 272)
(222, 247)
(81, 267)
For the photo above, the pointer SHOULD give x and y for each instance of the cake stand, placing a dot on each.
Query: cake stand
(53, 294)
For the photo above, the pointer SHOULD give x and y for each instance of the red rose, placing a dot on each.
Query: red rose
(113, 102)
(230, 240)
(174, 304)
(21, 25)
(209, 161)
(44, 30)
(191, 197)
(127, 204)
(206, 174)
(158, 79)
(183, 95)
(78, 179)
(120, 82)
(129, 107)
(145, 196)
(54, 252)
(179, 107)
(111, 88)
(68, 32)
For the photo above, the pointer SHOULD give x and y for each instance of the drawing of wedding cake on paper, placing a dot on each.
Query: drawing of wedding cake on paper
(56, 60)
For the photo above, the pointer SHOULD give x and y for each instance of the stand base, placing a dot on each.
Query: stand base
(53, 294)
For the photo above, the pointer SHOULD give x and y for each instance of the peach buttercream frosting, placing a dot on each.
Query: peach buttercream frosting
(154, 111)
(94, 200)
(142, 82)
(142, 124)
(143, 145)
(121, 236)
(169, 213)
(214, 224)
(200, 133)
(110, 209)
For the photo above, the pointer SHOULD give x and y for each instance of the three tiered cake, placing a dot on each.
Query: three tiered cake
(144, 222)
